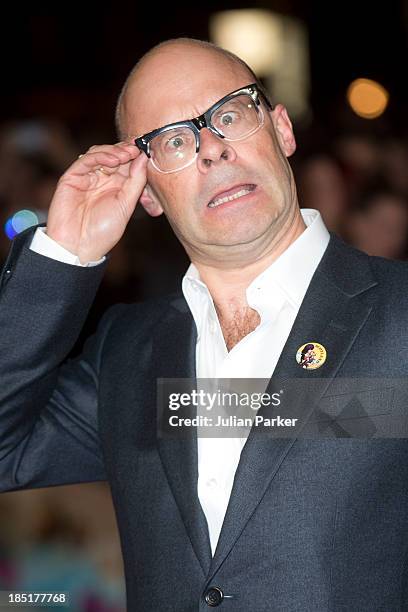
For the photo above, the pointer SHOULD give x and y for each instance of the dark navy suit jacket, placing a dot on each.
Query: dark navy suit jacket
(313, 525)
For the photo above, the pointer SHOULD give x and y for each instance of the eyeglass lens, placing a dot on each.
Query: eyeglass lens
(235, 119)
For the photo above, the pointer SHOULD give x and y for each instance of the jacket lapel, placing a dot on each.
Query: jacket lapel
(333, 313)
(174, 357)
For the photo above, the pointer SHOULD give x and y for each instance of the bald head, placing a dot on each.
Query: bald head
(160, 70)
(178, 81)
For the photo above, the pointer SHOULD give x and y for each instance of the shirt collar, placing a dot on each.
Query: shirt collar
(292, 270)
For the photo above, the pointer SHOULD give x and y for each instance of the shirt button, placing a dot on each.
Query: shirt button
(213, 597)
(211, 483)
(213, 326)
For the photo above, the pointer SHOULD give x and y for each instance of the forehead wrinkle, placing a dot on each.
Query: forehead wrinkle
(181, 116)
(170, 60)
(191, 112)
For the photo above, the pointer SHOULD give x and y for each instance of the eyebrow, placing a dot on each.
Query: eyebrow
(191, 119)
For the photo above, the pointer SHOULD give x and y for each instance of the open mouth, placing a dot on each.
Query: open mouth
(232, 194)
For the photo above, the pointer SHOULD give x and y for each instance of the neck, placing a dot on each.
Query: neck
(227, 286)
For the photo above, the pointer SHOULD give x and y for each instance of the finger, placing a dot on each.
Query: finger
(102, 171)
(92, 161)
(115, 144)
(137, 179)
(123, 153)
(126, 143)
(122, 170)
(118, 146)
(125, 169)
(138, 165)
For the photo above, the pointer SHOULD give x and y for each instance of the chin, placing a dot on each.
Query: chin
(242, 238)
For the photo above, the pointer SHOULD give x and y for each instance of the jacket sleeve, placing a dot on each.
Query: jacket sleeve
(48, 408)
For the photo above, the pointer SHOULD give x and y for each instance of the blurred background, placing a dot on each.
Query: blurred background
(340, 68)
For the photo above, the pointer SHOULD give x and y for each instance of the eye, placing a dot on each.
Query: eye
(228, 118)
(176, 142)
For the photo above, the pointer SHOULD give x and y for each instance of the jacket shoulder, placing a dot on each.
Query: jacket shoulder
(143, 314)
(351, 261)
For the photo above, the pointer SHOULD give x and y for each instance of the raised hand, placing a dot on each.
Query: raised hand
(95, 199)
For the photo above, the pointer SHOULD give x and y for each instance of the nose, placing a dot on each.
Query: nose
(213, 150)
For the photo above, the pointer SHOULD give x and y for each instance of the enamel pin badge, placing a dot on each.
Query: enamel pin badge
(311, 355)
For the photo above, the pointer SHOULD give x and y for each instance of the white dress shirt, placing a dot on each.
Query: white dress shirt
(276, 294)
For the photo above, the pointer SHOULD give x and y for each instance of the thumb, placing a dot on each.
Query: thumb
(137, 178)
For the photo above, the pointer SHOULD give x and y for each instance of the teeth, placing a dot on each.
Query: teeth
(239, 194)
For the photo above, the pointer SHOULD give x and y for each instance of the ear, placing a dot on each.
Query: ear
(283, 129)
(150, 202)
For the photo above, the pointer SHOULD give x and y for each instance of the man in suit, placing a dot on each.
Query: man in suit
(274, 522)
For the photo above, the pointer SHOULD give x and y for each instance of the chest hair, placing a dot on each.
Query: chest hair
(237, 325)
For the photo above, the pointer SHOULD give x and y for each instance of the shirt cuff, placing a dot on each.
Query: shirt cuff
(44, 245)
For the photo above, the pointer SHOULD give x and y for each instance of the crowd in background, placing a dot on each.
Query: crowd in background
(360, 187)
(65, 538)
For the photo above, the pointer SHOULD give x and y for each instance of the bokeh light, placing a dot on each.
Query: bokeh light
(253, 34)
(20, 221)
(9, 229)
(367, 98)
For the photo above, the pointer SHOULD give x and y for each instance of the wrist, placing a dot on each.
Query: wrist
(62, 241)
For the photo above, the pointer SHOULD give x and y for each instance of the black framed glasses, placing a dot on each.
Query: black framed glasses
(236, 116)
